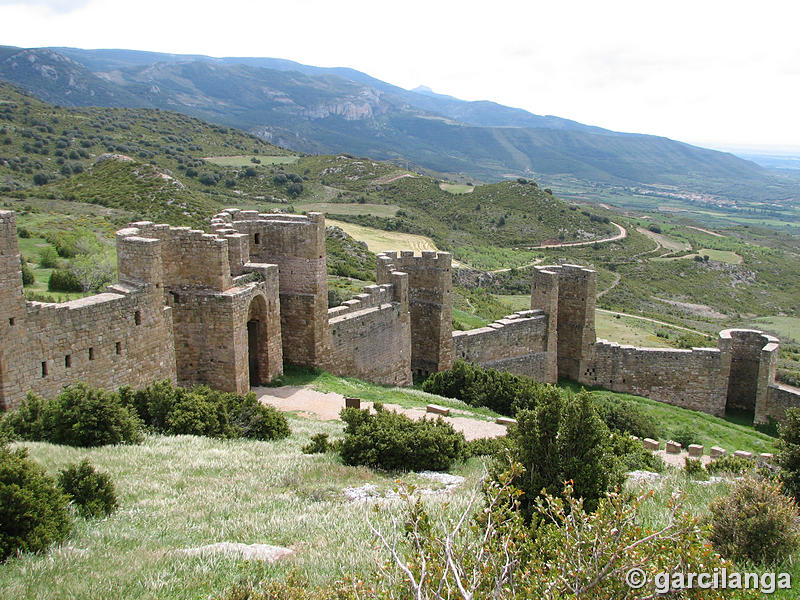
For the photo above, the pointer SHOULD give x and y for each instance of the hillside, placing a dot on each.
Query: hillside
(328, 111)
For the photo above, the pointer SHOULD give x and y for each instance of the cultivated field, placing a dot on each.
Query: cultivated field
(380, 241)
(247, 161)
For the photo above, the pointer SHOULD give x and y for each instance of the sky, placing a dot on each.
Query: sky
(722, 74)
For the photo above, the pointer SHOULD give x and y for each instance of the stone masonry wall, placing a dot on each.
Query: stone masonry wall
(123, 337)
(754, 361)
(430, 298)
(779, 398)
(296, 243)
(517, 343)
(371, 334)
(695, 379)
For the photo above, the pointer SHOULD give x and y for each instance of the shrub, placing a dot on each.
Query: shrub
(27, 422)
(626, 417)
(83, 416)
(788, 458)
(693, 467)
(755, 522)
(734, 465)
(632, 455)
(92, 492)
(487, 446)
(48, 258)
(27, 273)
(62, 280)
(685, 436)
(392, 441)
(318, 444)
(563, 439)
(203, 411)
(33, 511)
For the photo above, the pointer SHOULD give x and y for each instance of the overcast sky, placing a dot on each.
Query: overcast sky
(715, 73)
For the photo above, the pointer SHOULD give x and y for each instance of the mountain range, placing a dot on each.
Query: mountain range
(334, 110)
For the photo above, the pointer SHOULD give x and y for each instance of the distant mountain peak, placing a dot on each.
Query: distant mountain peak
(423, 89)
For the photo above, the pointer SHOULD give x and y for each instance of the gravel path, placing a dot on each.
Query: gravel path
(313, 404)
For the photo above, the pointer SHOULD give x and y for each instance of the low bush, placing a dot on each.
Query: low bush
(318, 445)
(392, 441)
(28, 278)
(632, 455)
(685, 436)
(487, 446)
(626, 417)
(165, 408)
(78, 416)
(33, 511)
(500, 391)
(733, 465)
(62, 280)
(693, 467)
(92, 492)
(563, 439)
(755, 522)
(84, 416)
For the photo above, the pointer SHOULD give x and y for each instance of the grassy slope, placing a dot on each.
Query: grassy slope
(185, 491)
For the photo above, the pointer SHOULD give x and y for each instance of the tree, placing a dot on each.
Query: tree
(789, 456)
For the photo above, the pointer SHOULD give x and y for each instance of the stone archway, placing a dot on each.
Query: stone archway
(257, 348)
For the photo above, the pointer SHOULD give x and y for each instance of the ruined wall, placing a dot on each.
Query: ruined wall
(779, 397)
(430, 298)
(576, 291)
(123, 337)
(370, 335)
(296, 244)
(754, 361)
(517, 343)
(695, 379)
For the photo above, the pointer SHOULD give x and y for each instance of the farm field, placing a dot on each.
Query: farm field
(378, 240)
(457, 188)
(786, 328)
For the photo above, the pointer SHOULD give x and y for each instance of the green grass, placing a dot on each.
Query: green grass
(625, 330)
(464, 321)
(185, 491)
(786, 328)
(724, 256)
(247, 161)
(457, 188)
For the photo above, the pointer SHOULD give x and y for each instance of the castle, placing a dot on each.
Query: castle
(228, 308)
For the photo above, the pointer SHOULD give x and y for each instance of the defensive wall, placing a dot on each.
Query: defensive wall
(227, 308)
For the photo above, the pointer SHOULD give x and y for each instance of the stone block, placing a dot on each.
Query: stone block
(505, 421)
(352, 403)
(673, 447)
(438, 410)
(767, 456)
(651, 444)
(717, 452)
(695, 450)
(743, 454)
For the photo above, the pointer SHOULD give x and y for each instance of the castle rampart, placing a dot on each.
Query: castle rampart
(430, 299)
(371, 334)
(517, 343)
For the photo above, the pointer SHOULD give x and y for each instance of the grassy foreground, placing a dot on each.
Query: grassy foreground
(181, 492)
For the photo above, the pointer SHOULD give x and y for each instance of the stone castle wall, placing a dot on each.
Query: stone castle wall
(100, 339)
(430, 298)
(296, 244)
(779, 398)
(370, 335)
(517, 343)
(696, 379)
